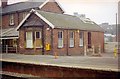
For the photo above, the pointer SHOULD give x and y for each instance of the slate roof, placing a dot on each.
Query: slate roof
(10, 32)
(21, 6)
(69, 22)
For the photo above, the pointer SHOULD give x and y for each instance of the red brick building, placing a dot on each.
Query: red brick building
(46, 30)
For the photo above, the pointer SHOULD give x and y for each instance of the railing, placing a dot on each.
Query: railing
(9, 49)
(95, 49)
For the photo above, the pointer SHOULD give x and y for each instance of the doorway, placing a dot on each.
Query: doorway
(89, 39)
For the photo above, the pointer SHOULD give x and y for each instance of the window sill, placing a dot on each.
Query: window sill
(81, 46)
(60, 47)
(29, 48)
(71, 47)
(11, 24)
(38, 48)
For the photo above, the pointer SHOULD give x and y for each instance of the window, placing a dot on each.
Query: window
(24, 15)
(38, 39)
(38, 35)
(11, 19)
(29, 40)
(60, 39)
(71, 39)
(81, 39)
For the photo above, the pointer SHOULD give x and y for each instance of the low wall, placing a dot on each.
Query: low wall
(55, 71)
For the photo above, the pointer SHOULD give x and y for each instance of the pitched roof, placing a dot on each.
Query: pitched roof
(65, 21)
(69, 21)
(22, 6)
(25, 6)
(10, 32)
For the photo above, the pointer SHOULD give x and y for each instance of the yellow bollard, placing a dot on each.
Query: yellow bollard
(115, 52)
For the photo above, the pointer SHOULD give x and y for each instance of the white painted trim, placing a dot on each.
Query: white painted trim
(44, 4)
(44, 19)
(23, 20)
(60, 5)
(10, 38)
(39, 15)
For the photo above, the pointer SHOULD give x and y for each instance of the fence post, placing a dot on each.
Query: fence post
(16, 48)
(99, 49)
(85, 51)
(93, 49)
(6, 48)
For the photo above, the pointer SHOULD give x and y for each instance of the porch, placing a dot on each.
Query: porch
(9, 40)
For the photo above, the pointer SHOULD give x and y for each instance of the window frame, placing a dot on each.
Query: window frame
(40, 38)
(71, 39)
(40, 35)
(81, 44)
(11, 19)
(60, 39)
(24, 14)
(28, 39)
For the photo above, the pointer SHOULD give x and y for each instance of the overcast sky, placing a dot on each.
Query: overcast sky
(100, 11)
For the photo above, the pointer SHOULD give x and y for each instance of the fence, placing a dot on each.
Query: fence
(9, 49)
(94, 49)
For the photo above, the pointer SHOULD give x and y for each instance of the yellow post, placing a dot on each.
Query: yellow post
(115, 52)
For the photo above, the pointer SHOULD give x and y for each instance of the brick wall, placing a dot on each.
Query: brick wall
(18, 17)
(49, 7)
(52, 7)
(97, 39)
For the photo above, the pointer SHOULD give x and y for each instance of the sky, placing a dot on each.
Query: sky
(99, 11)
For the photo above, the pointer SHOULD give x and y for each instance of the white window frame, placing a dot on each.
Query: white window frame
(71, 39)
(11, 19)
(60, 40)
(81, 40)
(29, 41)
(24, 15)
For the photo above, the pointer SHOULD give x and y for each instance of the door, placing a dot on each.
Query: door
(89, 39)
(29, 40)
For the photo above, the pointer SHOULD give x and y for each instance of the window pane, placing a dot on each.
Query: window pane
(59, 34)
(71, 34)
(11, 19)
(81, 39)
(37, 34)
(71, 39)
(29, 40)
(60, 39)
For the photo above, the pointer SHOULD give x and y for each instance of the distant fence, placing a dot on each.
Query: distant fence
(9, 49)
(109, 46)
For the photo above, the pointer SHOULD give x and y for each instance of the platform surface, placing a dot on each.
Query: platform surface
(105, 63)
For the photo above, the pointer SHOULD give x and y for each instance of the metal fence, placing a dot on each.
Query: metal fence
(9, 49)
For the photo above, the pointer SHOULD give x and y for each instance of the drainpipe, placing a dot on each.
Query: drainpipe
(43, 49)
(67, 44)
(52, 41)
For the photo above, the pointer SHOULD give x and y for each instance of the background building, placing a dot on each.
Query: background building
(110, 32)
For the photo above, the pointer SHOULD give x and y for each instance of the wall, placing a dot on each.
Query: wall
(97, 39)
(52, 7)
(49, 7)
(18, 17)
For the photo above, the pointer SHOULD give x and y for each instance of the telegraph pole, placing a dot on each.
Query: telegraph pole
(116, 28)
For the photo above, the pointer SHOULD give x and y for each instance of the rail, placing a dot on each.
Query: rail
(9, 49)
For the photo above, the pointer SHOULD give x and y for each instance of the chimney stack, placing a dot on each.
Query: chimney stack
(4, 3)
